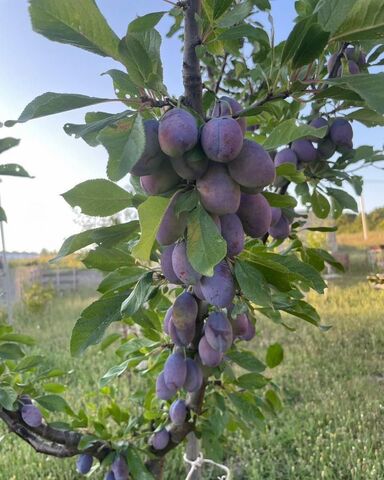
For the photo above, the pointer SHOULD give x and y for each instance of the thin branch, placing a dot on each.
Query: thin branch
(221, 72)
(269, 98)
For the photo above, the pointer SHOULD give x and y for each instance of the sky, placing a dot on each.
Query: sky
(38, 217)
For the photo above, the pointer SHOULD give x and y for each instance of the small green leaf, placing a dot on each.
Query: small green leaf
(320, 204)
(51, 103)
(276, 200)
(146, 22)
(10, 351)
(113, 373)
(288, 131)
(29, 362)
(122, 278)
(8, 397)
(137, 468)
(139, 295)
(274, 400)
(3, 215)
(54, 388)
(236, 15)
(343, 198)
(245, 30)
(150, 214)
(13, 170)
(252, 381)
(78, 23)
(290, 172)
(275, 355)
(98, 197)
(54, 403)
(252, 283)
(17, 338)
(205, 246)
(367, 117)
(125, 145)
(311, 47)
(246, 360)
(7, 143)
(108, 259)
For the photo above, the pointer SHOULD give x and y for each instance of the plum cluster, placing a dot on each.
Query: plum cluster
(355, 60)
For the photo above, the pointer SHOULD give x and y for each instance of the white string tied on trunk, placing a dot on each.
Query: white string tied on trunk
(199, 462)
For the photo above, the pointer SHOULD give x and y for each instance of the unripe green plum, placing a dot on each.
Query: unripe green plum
(194, 378)
(166, 265)
(184, 311)
(233, 233)
(162, 390)
(178, 132)
(218, 332)
(191, 165)
(304, 150)
(209, 356)
(255, 215)
(219, 290)
(253, 167)
(182, 267)
(219, 193)
(222, 139)
(160, 182)
(172, 226)
(175, 371)
(226, 107)
(152, 157)
(178, 412)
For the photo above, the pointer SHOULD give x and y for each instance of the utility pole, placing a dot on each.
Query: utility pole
(6, 273)
(363, 217)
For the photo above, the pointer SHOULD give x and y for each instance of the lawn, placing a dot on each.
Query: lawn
(332, 385)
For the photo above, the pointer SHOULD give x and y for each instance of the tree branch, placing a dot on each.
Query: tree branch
(191, 65)
(221, 73)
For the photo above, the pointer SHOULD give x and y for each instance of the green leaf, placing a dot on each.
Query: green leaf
(277, 200)
(78, 23)
(304, 311)
(274, 400)
(365, 21)
(122, 278)
(124, 144)
(220, 7)
(205, 246)
(108, 259)
(100, 197)
(370, 87)
(186, 201)
(54, 403)
(54, 388)
(124, 87)
(343, 198)
(246, 360)
(245, 30)
(10, 351)
(236, 15)
(290, 172)
(288, 131)
(146, 22)
(246, 407)
(29, 362)
(311, 47)
(295, 39)
(136, 466)
(7, 143)
(105, 236)
(51, 103)
(95, 122)
(275, 355)
(150, 214)
(94, 320)
(320, 204)
(252, 283)
(17, 338)
(139, 295)
(332, 13)
(252, 381)
(113, 373)
(13, 170)
(8, 397)
(3, 215)
(367, 117)
(262, 4)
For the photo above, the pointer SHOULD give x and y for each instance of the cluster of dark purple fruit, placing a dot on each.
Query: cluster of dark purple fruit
(354, 59)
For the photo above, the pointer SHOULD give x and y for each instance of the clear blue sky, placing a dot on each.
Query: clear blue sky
(31, 65)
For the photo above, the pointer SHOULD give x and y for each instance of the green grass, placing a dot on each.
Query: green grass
(332, 385)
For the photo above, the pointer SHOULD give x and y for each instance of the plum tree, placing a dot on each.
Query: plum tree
(253, 167)
(182, 267)
(222, 139)
(206, 282)
(233, 233)
(219, 193)
(178, 132)
(255, 214)
(228, 106)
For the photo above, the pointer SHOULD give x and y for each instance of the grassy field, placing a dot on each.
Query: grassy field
(356, 239)
(332, 383)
